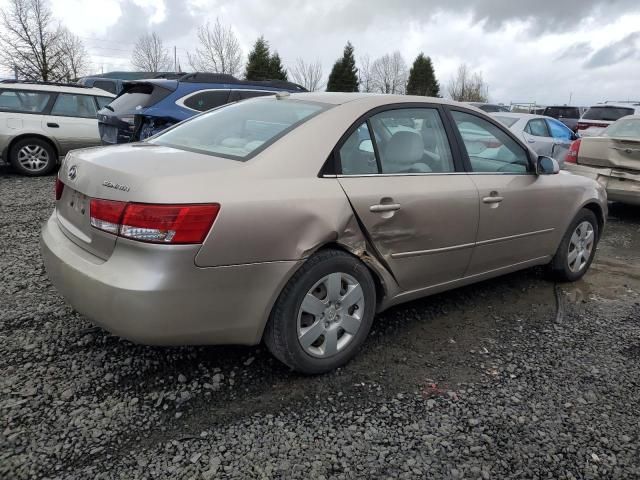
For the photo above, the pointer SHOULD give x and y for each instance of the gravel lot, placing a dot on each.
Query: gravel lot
(511, 378)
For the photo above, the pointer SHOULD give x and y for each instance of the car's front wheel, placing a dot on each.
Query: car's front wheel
(577, 249)
(323, 314)
(32, 157)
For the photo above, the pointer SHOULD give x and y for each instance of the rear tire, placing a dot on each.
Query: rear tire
(577, 249)
(33, 157)
(323, 314)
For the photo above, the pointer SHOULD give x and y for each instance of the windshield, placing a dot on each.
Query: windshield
(239, 130)
(607, 114)
(138, 96)
(629, 128)
(508, 121)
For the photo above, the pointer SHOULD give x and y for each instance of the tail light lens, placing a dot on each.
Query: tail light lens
(572, 154)
(59, 188)
(168, 224)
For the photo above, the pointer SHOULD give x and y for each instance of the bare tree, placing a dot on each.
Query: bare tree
(150, 55)
(219, 50)
(365, 75)
(309, 75)
(389, 74)
(30, 44)
(74, 54)
(467, 86)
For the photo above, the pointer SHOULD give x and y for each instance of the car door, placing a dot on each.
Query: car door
(562, 139)
(537, 136)
(73, 121)
(398, 170)
(519, 210)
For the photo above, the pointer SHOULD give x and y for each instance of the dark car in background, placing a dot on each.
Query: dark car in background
(146, 107)
(490, 107)
(113, 82)
(565, 113)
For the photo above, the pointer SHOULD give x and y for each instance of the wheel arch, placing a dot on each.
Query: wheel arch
(23, 136)
(599, 213)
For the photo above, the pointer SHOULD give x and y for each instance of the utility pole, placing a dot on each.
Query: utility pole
(175, 60)
(570, 97)
(15, 71)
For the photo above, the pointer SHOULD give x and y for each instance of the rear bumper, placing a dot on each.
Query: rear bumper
(154, 294)
(621, 186)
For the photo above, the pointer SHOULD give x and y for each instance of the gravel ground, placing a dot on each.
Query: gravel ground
(488, 381)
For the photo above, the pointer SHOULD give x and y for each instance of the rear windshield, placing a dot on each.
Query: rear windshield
(508, 121)
(624, 129)
(240, 130)
(608, 114)
(562, 112)
(138, 96)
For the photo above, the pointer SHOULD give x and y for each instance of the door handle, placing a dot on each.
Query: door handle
(492, 199)
(384, 207)
(53, 125)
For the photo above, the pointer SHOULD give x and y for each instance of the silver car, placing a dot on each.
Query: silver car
(545, 135)
(293, 219)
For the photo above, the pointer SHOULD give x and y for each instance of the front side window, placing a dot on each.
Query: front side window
(537, 128)
(72, 105)
(490, 149)
(239, 130)
(204, 101)
(559, 130)
(23, 101)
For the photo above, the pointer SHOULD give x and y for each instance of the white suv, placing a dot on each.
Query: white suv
(600, 116)
(40, 122)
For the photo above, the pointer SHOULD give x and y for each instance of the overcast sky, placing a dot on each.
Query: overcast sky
(540, 51)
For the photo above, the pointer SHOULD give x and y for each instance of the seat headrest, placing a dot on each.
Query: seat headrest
(404, 148)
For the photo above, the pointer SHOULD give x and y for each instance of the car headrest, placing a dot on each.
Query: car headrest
(404, 148)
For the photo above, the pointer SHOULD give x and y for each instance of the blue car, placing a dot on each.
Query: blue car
(146, 107)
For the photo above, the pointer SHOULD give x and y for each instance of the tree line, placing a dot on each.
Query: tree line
(38, 48)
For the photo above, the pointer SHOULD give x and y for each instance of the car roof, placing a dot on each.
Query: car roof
(633, 106)
(42, 87)
(529, 116)
(374, 99)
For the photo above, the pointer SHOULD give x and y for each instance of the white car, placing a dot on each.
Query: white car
(600, 116)
(545, 135)
(40, 122)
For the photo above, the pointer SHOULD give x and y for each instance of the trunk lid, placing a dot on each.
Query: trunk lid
(619, 153)
(138, 172)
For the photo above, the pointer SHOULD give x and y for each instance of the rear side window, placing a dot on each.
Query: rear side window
(103, 101)
(490, 149)
(23, 101)
(237, 95)
(239, 130)
(138, 96)
(607, 114)
(71, 105)
(508, 121)
(537, 128)
(207, 100)
(106, 86)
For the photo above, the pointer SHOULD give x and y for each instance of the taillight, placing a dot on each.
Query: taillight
(169, 224)
(572, 154)
(59, 188)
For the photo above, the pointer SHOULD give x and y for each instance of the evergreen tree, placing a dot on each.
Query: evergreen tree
(276, 70)
(344, 75)
(259, 63)
(422, 78)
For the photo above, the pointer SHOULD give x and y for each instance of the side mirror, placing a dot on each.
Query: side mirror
(366, 146)
(547, 166)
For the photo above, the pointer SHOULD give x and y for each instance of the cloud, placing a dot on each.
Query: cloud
(577, 50)
(626, 49)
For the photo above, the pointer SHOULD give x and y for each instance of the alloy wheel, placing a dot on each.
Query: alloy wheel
(33, 158)
(330, 315)
(580, 246)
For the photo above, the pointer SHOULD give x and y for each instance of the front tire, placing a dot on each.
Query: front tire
(577, 249)
(32, 157)
(323, 314)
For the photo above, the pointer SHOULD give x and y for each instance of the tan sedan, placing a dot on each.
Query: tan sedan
(613, 159)
(294, 219)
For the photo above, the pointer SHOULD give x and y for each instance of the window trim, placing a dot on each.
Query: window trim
(332, 167)
(92, 96)
(465, 156)
(52, 98)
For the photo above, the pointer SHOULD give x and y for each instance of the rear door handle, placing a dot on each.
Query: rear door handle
(385, 207)
(492, 199)
(53, 125)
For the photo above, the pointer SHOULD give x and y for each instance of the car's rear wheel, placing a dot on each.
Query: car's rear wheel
(323, 314)
(32, 157)
(577, 249)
